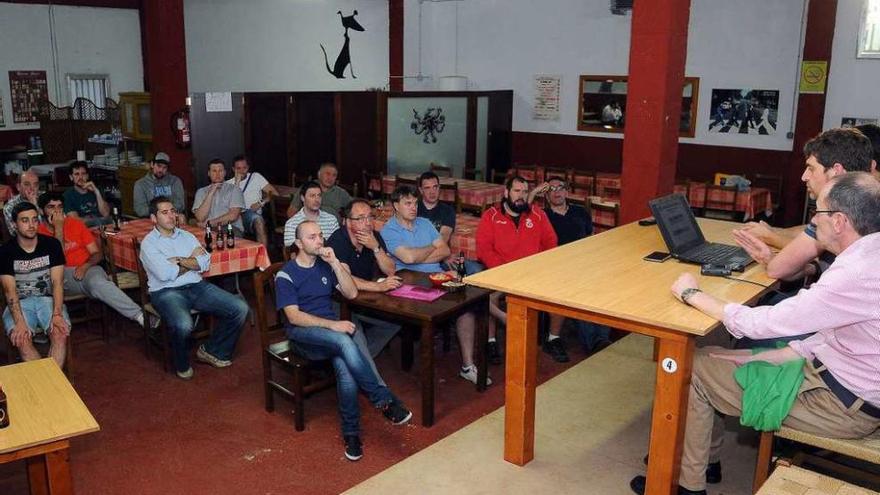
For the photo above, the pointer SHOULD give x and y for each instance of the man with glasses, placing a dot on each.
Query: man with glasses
(838, 396)
(174, 261)
(365, 254)
(570, 222)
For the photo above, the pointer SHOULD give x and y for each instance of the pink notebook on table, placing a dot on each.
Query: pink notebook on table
(408, 291)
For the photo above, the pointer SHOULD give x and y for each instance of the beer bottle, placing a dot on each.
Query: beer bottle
(461, 270)
(230, 236)
(221, 244)
(209, 238)
(115, 215)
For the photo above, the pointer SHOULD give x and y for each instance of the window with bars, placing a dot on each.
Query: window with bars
(93, 87)
(869, 32)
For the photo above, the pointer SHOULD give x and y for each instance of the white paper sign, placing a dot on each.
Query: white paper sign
(218, 102)
(546, 105)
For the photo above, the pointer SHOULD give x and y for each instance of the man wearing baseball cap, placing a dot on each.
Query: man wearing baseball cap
(158, 183)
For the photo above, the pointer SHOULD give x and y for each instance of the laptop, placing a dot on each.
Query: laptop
(685, 239)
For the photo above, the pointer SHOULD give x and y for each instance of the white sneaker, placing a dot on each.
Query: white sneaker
(206, 357)
(186, 375)
(470, 374)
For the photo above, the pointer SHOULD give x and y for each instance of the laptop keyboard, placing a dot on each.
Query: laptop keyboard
(718, 254)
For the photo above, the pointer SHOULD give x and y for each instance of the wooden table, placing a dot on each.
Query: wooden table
(604, 279)
(44, 413)
(428, 317)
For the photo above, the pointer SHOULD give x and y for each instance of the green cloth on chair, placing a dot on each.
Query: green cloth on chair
(769, 391)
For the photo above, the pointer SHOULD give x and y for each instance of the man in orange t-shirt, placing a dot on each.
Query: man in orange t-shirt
(82, 273)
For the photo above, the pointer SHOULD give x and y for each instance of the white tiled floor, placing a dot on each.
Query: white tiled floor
(592, 425)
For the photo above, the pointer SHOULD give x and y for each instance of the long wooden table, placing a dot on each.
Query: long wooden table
(427, 317)
(604, 279)
(44, 413)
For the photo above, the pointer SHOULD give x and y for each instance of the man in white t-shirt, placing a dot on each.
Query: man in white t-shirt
(257, 191)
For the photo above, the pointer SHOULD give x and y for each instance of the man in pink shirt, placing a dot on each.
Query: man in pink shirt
(840, 394)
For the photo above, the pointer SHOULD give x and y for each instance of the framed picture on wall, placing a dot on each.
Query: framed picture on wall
(602, 104)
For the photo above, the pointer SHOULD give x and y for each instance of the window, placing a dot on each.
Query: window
(93, 87)
(869, 32)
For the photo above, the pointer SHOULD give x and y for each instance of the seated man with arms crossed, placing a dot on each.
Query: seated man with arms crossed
(365, 255)
(416, 245)
(32, 272)
(84, 200)
(303, 291)
(507, 232)
(173, 260)
(219, 202)
(82, 270)
(839, 396)
(333, 197)
(442, 217)
(312, 198)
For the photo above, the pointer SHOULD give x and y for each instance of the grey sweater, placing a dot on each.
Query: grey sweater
(148, 187)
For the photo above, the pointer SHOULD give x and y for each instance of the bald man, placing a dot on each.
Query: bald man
(28, 190)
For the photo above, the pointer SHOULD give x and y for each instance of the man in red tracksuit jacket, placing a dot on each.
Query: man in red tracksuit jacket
(507, 232)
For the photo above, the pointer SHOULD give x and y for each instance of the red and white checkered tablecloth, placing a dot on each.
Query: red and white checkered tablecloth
(464, 237)
(246, 255)
(472, 192)
(752, 202)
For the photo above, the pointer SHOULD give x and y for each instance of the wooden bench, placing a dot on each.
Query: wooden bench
(788, 480)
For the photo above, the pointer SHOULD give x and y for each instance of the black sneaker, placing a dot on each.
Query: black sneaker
(353, 449)
(397, 413)
(638, 486)
(40, 338)
(556, 349)
(493, 352)
(713, 471)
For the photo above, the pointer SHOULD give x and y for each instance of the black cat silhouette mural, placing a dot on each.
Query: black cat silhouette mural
(344, 58)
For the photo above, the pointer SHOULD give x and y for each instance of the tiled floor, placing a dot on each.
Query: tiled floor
(592, 428)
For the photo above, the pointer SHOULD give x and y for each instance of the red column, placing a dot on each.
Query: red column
(657, 55)
(165, 72)
(821, 17)
(395, 44)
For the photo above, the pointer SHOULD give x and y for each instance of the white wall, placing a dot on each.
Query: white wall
(274, 45)
(852, 85)
(503, 44)
(90, 41)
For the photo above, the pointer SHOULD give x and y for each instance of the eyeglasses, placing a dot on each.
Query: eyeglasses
(557, 188)
(826, 211)
(364, 218)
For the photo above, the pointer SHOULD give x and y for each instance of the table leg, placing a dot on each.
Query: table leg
(49, 473)
(674, 363)
(37, 479)
(519, 389)
(427, 373)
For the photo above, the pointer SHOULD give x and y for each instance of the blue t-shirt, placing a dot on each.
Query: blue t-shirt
(422, 234)
(307, 288)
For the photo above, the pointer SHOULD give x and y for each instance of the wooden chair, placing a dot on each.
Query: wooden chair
(563, 173)
(596, 212)
(864, 449)
(126, 281)
(580, 192)
(472, 174)
(159, 336)
(400, 181)
(723, 205)
(441, 170)
(81, 309)
(372, 185)
(277, 210)
(586, 179)
(528, 172)
(276, 352)
(611, 193)
(456, 202)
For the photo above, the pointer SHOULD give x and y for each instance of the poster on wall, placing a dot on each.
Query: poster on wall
(814, 74)
(27, 89)
(546, 105)
(744, 111)
(849, 122)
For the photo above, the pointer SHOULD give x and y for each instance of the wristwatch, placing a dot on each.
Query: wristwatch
(377, 250)
(688, 293)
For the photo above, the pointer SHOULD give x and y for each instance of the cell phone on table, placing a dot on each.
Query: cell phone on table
(657, 257)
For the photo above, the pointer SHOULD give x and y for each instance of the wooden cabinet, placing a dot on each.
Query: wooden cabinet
(135, 116)
(127, 177)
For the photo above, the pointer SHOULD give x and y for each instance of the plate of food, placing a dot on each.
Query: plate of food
(438, 279)
(453, 285)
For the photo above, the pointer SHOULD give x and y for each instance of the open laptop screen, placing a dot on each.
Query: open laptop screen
(677, 223)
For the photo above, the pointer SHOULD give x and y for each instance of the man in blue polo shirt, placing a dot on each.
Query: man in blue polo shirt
(303, 291)
(416, 245)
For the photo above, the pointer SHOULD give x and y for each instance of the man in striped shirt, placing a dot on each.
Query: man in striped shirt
(310, 195)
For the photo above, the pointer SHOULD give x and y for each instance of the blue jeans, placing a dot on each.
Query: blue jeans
(37, 312)
(591, 334)
(174, 305)
(352, 370)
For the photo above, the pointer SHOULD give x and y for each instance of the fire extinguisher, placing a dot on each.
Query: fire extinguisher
(181, 129)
